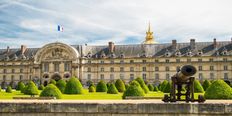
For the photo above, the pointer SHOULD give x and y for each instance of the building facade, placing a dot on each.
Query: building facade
(149, 60)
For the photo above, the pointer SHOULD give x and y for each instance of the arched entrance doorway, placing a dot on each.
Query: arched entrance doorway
(56, 76)
(45, 83)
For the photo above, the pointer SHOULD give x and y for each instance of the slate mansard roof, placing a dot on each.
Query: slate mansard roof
(222, 48)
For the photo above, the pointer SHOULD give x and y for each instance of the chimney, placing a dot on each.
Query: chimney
(174, 45)
(23, 49)
(192, 44)
(111, 47)
(214, 43)
(7, 49)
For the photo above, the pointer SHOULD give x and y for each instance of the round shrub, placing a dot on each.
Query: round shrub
(119, 84)
(167, 88)
(73, 86)
(31, 89)
(9, 89)
(20, 86)
(41, 87)
(51, 91)
(151, 87)
(52, 81)
(197, 87)
(134, 89)
(156, 89)
(163, 85)
(89, 83)
(112, 89)
(61, 84)
(206, 84)
(218, 90)
(101, 86)
(92, 89)
(142, 84)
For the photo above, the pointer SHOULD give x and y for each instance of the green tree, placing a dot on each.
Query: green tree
(31, 89)
(41, 87)
(9, 89)
(52, 81)
(206, 84)
(120, 85)
(134, 89)
(197, 87)
(151, 87)
(112, 89)
(51, 91)
(156, 89)
(61, 84)
(142, 84)
(101, 86)
(219, 90)
(126, 86)
(92, 89)
(163, 85)
(73, 86)
(167, 88)
(20, 86)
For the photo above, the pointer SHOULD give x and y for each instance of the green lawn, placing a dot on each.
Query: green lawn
(85, 96)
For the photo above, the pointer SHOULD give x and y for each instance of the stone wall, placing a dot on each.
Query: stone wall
(110, 108)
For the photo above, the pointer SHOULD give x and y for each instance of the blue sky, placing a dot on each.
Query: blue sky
(96, 22)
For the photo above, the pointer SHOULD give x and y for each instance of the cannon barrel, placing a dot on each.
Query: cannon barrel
(185, 72)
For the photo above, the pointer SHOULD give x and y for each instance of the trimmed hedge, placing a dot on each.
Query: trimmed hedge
(9, 89)
(101, 86)
(163, 85)
(61, 84)
(119, 84)
(219, 90)
(156, 89)
(20, 86)
(167, 88)
(92, 89)
(52, 81)
(151, 87)
(41, 87)
(134, 89)
(112, 89)
(142, 84)
(197, 87)
(51, 91)
(31, 89)
(206, 84)
(73, 86)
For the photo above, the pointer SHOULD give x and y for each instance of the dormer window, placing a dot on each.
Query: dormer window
(122, 55)
(189, 53)
(112, 55)
(102, 55)
(23, 57)
(15, 57)
(143, 55)
(167, 53)
(6, 58)
(178, 53)
(224, 52)
(199, 53)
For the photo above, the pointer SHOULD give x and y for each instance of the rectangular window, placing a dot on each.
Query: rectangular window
(225, 67)
(112, 62)
(167, 68)
(156, 76)
(211, 59)
(111, 69)
(132, 69)
(178, 68)
(225, 59)
(199, 60)
(102, 62)
(12, 77)
(121, 69)
(144, 76)
(20, 77)
(57, 67)
(4, 77)
(111, 76)
(89, 61)
(200, 68)
(131, 77)
(21, 70)
(188, 60)
(13, 70)
(200, 76)
(144, 61)
(156, 68)
(46, 67)
(89, 76)
(89, 69)
(4, 71)
(121, 61)
(122, 76)
(102, 76)
(144, 69)
(167, 77)
(156, 60)
(66, 67)
(211, 68)
(211, 76)
(131, 61)
(31, 70)
(102, 69)
(177, 60)
(226, 76)
(167, 60)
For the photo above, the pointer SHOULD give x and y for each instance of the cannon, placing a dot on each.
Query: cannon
(184, 76)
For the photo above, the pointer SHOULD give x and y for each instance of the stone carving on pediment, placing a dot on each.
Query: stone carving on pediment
(57, 53)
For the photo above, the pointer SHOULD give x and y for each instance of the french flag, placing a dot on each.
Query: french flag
(60, 28)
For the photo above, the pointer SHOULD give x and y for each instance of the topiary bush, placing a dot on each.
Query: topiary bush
(112, 89)
(101, 87)
(151, 87)
(9, 89)
(197, 87)
(41, 87)
(119, 84)
(163, 85)
(20, 86)
(218, 90)
(61, 84)
(167, 88)
(51, 91)
(126, 86)
(206, 84)
(156, 89)
(92, 89)
(134, 89)
(31, 89)
(73, 86)
(52, 81)
(142, 84)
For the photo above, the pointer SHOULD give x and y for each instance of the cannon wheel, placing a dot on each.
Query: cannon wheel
(201, 99)
(166, 98)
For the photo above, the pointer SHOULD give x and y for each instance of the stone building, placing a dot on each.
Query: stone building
(150, 60)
